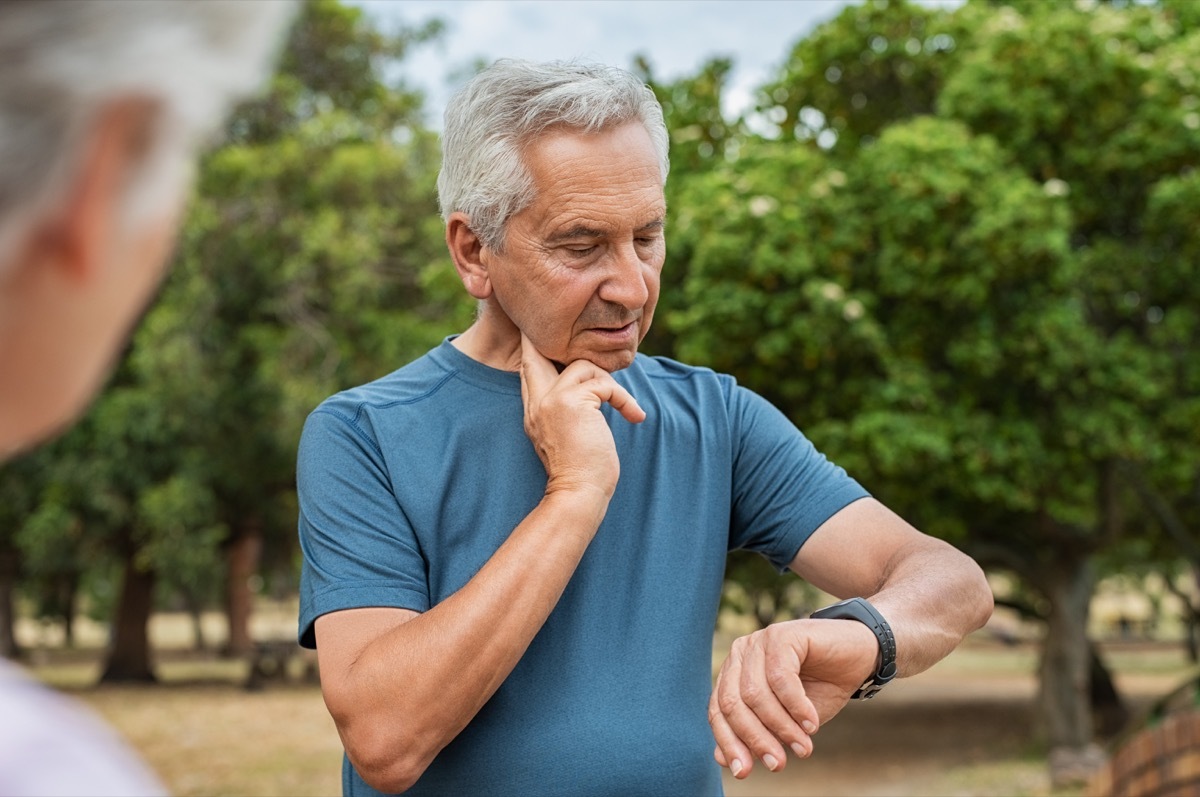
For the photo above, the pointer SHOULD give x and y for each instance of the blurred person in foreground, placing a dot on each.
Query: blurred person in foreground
(514, 546)
(103, 108)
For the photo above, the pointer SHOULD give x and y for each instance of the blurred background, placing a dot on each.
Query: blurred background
(955, 242)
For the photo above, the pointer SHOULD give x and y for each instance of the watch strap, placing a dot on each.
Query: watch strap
(862, 611)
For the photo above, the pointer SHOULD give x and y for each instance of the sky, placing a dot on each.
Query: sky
(676, 36)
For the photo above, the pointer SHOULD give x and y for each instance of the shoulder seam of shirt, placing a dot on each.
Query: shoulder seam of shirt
(692, 370)
(360, 406)
(479, 384)
(676, 377)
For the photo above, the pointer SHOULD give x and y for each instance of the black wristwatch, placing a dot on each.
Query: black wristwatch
(859, 609)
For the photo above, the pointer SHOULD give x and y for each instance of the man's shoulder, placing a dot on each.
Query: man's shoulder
(406, 385)
(664, 373)
(659, 367)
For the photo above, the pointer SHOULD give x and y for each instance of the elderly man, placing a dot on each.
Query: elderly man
(514, 546)
(102, 107)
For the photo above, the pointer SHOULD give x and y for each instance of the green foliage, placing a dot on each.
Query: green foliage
(963, 264)
(877, 63)
(699, 130)
(335, 59)
(1059, 89)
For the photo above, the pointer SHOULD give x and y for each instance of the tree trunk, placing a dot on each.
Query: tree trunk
(8, 605)
(70, 599)
(243, 556)
(1193, 621)
(129, 653)
(1191, 614)
(1063, 702)
(195, 610)
(1108, 708)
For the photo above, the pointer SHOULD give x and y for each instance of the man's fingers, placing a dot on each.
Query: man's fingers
(760, 706)
(730, 751)
(793, 702)
(761, 675)
(748, 726)
(782, 670)
(607, 389)
(591, 377)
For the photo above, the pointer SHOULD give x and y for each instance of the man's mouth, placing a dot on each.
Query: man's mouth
(617, 330)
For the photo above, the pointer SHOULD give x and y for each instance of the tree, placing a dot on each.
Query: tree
(952, 269)
(873, 65)
(299, 273)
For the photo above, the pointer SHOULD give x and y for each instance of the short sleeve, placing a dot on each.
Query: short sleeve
(359, 549)
(783, 488)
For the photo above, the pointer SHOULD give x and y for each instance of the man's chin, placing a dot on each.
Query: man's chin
(610, 361)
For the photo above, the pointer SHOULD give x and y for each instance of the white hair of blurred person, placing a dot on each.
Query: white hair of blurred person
(103, 108)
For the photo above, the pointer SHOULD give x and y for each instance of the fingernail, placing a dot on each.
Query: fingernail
(735, 767)
(808, 727)
(770, 761)
(799, 750)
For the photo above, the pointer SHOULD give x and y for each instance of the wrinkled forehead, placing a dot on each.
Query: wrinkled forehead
(613, 173)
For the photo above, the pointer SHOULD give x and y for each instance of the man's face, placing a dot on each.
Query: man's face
(579, 274)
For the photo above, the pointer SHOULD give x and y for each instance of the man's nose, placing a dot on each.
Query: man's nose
(625, 283)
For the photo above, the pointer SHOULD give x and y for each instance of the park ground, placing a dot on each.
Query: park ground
(965, 727)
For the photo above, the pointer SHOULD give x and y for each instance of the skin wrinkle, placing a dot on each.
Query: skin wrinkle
(585, 255)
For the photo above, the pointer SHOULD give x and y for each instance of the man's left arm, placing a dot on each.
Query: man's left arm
(780, 684)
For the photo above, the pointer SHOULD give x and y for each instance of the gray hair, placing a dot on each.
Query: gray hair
(63, 62)
(491, 119)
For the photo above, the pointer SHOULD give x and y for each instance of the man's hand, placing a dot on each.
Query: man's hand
(564, 422)
(779, 684)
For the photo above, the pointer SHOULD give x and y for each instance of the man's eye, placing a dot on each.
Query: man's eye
(581, 251)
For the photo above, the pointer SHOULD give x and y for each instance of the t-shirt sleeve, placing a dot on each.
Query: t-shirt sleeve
(358, 548)
(783, 488)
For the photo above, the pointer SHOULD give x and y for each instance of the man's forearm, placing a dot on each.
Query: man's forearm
(931, 593)
(780, 684)
(411, 690)
(933, 597)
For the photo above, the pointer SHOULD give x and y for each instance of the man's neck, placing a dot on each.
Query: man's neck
(492, 342)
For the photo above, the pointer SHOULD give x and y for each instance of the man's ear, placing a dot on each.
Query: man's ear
(467, 252)
(79, 232)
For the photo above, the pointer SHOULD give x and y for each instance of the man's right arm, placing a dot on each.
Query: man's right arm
(401, 685)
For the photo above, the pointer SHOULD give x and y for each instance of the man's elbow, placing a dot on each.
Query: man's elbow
(388, 777)
(385, 756)
(387, 762)
(979, 596)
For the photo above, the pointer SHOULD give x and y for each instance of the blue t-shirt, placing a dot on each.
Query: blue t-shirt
(409, 484)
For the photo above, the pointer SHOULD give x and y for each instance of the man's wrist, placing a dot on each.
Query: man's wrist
(860, 610)
(581, 507)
